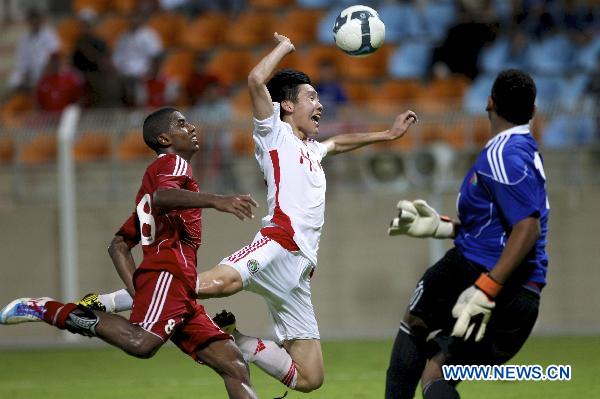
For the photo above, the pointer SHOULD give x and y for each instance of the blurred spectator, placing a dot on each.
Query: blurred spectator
(460, 50)
(59, 86)
(33, 52)
(214, 163)
(199, 80)
(331, 93)
(133, 55)
(593, 90)
(231, 7)
(91, 57)
(158, 89)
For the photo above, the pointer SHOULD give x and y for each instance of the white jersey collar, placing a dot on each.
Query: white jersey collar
(520, 129)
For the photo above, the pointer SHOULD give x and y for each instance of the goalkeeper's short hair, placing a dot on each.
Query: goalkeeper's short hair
(514, 94)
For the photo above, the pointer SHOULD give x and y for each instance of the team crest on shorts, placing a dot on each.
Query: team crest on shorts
(252, 266)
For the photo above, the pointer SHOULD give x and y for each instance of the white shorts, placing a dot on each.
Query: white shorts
(282, 278)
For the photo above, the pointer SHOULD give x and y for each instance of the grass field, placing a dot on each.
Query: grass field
(354, 370)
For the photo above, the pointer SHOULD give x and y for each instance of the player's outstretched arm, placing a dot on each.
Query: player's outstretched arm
(348, 142)
(174, 198)
(262, 104)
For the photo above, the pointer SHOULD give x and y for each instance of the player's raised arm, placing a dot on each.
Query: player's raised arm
(174, 198)
(348, 142)
(262, 105)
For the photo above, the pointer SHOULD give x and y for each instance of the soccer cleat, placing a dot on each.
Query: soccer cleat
(226, 321)
(24, 310)
(91, 302)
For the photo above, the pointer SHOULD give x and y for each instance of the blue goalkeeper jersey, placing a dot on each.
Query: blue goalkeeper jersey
(504, 186)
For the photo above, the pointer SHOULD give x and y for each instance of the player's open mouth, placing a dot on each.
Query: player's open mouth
(316, 118)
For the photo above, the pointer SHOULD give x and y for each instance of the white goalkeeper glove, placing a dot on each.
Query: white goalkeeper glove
(477, 300)
(418, 219)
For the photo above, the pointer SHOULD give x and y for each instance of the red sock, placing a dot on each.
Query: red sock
(57, 312)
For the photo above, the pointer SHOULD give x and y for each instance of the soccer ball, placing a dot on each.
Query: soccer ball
(358, 31)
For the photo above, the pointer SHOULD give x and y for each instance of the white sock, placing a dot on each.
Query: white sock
(117, 301)
(269, 357)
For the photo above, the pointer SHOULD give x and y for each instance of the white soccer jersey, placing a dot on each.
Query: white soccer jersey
(295, 181)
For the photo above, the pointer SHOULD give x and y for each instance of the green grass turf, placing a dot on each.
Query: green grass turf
(354, 370)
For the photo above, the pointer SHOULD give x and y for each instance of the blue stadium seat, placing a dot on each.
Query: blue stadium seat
(325, 28)
(438, 17)
(573, 91)
(410, 60)
(402, 21)
(568, 131)
(549, 90)
(325, 4)
(553, 54)
(587, 56)
(475, 99)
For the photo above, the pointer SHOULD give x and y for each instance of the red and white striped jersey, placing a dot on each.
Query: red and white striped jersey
(295, 182)
(170, 239)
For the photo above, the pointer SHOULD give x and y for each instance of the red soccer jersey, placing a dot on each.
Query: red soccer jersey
(169, 239)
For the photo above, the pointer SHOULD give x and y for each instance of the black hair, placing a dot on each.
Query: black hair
(514, 94)
(155, 124)
(284, 85)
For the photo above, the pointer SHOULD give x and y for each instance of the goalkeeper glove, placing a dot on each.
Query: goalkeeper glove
(418, 219)
(477, 300)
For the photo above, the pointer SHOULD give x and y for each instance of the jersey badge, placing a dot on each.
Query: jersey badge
(253, 266)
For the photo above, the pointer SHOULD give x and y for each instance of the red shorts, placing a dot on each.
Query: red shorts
(164, 306)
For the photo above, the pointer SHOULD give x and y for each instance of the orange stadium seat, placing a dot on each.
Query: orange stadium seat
(269, 4)
(243, 144)
(538, 125)
(40, 149)
(394, 95)
(205, 32)
(479, 129)
(299, 24)
(13, 110)
(168, 25)
(359, 92)
(441, 94)
(372, 67)
(241, 103)
(111, 28)
(7, 149)
(314, 56)
(92, 146)
(132, 147)
(99, 6)
(124, 6)
(250, 28)
(232, 66)
(179, 64)
(68, 31)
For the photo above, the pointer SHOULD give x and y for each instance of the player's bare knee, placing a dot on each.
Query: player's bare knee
(309, 383)
(141, 346)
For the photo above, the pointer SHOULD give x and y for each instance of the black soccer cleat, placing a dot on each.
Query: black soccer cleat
(225, 320)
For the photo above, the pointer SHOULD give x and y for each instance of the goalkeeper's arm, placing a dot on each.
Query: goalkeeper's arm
(418, 219)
